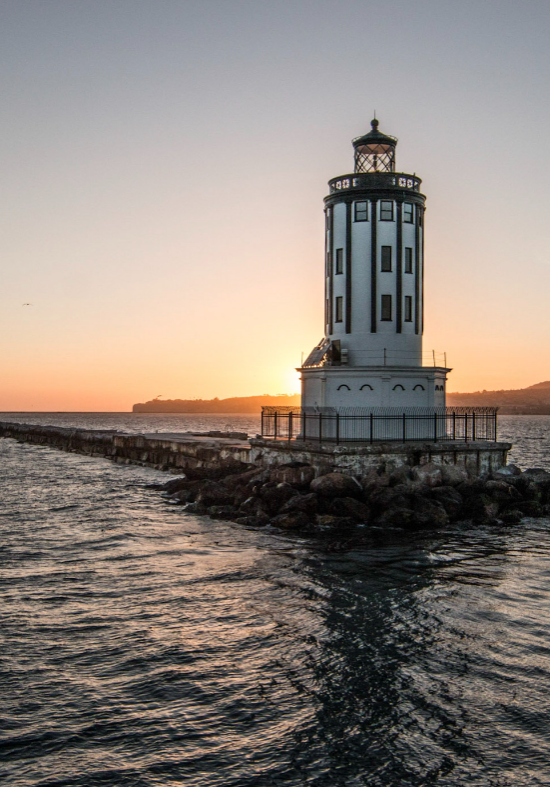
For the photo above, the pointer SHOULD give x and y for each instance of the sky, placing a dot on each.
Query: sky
(164, 164)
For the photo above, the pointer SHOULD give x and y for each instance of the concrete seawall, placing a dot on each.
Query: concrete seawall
(179, 453)
(217, 456)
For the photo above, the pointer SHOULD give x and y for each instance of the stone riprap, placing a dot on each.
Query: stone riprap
(292, 497)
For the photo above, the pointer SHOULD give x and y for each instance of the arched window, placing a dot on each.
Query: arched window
(395, 387)
(366, 386)
(419, 386)
(343, 386)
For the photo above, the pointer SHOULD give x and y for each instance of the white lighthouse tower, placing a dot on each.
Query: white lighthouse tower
(371, 354)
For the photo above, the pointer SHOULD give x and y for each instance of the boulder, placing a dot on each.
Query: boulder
(529, 508)
(390, 497)
(214, 493)
(241, 479)
(349, 507)
(429, 513)
(336, 485)
(306, 503)
(183, 496)
(275, 496)
(453, 475)
(536, 474)
(174, 485)
(222, 512)
(450, 498)
(427, 475)
(502, 493)
(511, 517)
(260, 520)
(297, 474)
(374, 480)
(295, 520)
(400, 517)
(401, 475)
(478, 505)
(506, 471)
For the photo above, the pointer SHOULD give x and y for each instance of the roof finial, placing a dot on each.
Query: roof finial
(374, 122)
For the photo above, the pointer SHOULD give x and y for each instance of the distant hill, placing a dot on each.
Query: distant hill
(534, 400)
(236, 404)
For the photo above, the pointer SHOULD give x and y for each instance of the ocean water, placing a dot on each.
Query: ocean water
(145, 646)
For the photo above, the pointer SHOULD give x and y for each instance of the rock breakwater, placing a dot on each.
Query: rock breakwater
(411, 498)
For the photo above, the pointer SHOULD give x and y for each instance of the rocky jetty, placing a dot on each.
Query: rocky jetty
(425, 496)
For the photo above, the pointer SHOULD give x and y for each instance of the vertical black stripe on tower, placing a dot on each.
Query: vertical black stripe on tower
(330, 282)
(417, 271)
(326, 273)
(373, 263)
(399, 271)
(422, 266)
(348, 267)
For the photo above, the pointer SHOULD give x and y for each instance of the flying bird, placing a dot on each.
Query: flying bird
(27, 304)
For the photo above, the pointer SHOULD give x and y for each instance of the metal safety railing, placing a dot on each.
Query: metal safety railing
(377, 425)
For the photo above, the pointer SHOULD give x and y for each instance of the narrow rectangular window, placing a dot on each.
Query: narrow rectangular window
(329, 219)
(408, 212)
(339, 309)
(361, 211)
(339, 261)
(386, 259)
(408, 259)
(420, 218)
(408, 308)
(386, 308)
(386, 210)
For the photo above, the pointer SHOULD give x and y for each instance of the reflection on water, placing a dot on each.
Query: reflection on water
(144, 646)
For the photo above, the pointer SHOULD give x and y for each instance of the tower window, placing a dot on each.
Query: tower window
(329, 219)
(339, 315)
(386, 308)
(408, 259)
(386, 210)
(419, 218)
(408, 212)
(408, 308)
(339, 261)
(361, 211)
(386, 259)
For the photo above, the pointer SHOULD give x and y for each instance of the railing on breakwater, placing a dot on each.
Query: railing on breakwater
(356, 425)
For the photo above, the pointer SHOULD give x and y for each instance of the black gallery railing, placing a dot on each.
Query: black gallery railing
(349, 425)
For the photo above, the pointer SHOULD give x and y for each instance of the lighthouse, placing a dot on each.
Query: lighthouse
(371, 357)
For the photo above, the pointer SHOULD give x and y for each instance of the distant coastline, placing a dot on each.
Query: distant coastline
(534, 400)
(235, 404)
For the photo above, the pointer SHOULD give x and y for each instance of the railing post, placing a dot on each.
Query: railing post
(337, 428)
(371, 427)
(262, 423)
(404, 428)
(303, 420)
(435, 427)
(474, 426)
(465, 427)
(454, 425)
(290, 425)
(495, 416)
(320, 428)
(275, 426)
